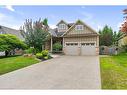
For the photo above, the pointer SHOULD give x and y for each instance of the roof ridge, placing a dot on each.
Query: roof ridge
(9, 28)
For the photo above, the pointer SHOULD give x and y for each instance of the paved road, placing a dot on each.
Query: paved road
(64, 72)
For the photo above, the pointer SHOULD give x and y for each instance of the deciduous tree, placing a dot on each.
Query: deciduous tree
(10, 42)
(35, 33)
(123, 28)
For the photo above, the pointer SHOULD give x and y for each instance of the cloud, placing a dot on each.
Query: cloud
(83, 7)
(86, 15)
(119, 24)
(52, 26)
(2, 16)
(9, 7)
(10, 21)
(99, 27)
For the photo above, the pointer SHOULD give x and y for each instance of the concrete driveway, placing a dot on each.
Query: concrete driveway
(64, 72)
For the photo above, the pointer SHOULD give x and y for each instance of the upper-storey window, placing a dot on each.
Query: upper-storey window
(62, 26)
(79, 27)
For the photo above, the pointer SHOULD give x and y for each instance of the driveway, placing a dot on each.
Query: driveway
(64, 72)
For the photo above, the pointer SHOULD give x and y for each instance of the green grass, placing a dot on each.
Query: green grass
(8, 64)
(114, 71)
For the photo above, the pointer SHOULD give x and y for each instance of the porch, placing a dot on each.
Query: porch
(49, 44)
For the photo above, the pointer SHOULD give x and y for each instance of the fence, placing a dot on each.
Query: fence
(105, 50)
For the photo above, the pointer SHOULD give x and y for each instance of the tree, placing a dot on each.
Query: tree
(10, 42)
(35, 33)
(108, 37)
(123, 28)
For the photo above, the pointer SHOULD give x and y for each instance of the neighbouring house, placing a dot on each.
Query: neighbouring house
(6, 30)
(76, 38)
(122, 40)
(17, 33)
(122, 43)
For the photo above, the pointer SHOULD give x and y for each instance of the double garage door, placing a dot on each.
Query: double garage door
(80, 48)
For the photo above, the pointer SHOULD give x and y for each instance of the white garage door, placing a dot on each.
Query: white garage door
(71, 49)
(80, 48)
(88, 48)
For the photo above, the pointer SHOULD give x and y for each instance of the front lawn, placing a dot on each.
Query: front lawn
(15, 62)
(114, 71)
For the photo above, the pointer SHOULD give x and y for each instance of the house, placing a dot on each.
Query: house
(122, 40)
(17, 33)
(6, 30)
(77, 38)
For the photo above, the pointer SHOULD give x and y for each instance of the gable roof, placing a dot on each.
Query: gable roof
(15, 32)
(83, 24)
(55, 33)
(61, 22)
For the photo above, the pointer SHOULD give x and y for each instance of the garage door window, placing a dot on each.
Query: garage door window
(92, 44)
(87, 44)
(71, 44)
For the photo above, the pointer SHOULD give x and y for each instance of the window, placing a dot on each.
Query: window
(1, 32)
(92, 44)
(79, 27)
(62, 26)
(71, 44)
(87, 44)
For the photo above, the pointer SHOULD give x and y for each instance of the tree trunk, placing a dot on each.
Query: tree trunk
(6, 53)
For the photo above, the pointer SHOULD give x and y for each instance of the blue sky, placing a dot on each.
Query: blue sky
(94, 16)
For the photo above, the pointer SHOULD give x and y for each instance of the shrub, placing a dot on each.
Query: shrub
(46, 57)
(124, 48)
(30, 51)
(39, 55)
(57, 47)
(45, 53)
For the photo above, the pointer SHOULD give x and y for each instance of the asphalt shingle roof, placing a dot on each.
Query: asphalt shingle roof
(6, 30)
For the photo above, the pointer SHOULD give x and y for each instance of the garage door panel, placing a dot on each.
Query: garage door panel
(88, 48)
(71, 49)
(80, 48)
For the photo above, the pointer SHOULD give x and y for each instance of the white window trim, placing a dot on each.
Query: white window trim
(62, 26)
(89, 42)
(79, 43)
(72, 42)
(79, 27)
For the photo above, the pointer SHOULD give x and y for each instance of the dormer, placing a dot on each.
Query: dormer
(79, 26)
(62, 26)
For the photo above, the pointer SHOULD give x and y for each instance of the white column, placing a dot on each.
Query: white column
(51, 43)
(63, 44)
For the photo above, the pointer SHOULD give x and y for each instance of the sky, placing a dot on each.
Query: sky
(95, 16)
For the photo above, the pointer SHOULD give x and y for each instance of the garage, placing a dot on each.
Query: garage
(88, 48)
(71, 49)
(80, 48)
